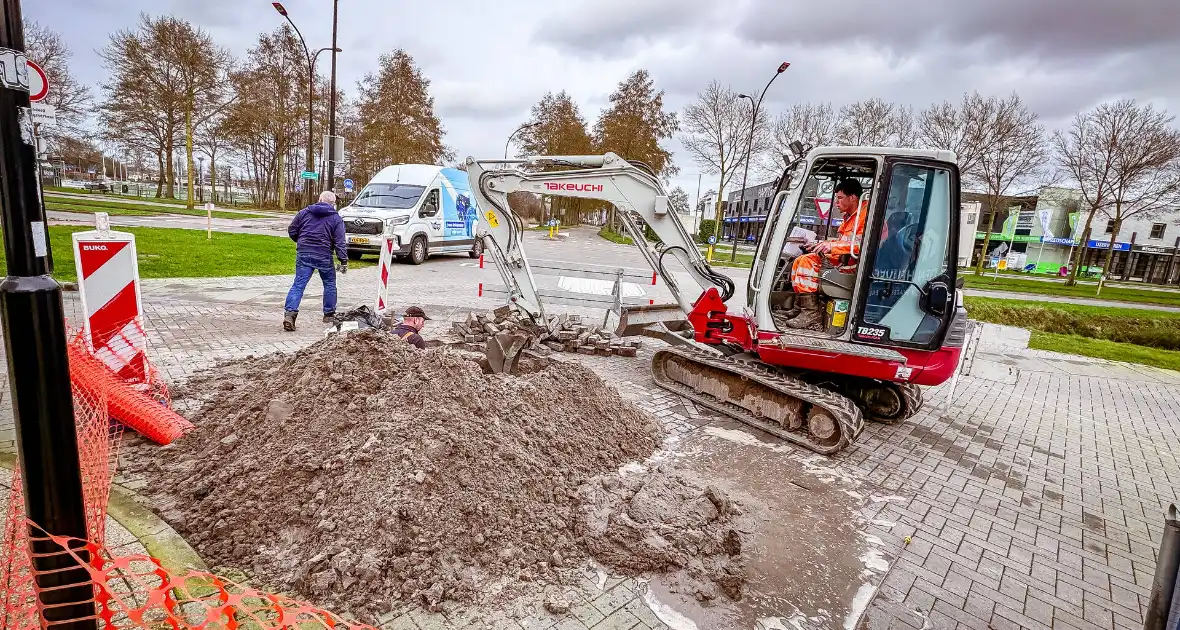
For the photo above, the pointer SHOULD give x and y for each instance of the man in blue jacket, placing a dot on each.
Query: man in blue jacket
(317, 231)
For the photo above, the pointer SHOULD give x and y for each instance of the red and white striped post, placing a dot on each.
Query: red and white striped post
(108, 284)
(384, 264)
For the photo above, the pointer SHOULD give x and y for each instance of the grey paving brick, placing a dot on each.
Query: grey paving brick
(618, 620)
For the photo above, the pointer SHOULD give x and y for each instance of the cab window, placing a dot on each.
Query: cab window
(913, 250)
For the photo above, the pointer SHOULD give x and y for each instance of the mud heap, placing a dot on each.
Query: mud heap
(363, 473)
(668, 521)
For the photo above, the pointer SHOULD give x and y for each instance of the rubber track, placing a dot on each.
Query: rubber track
(848, 417)
(912, 397)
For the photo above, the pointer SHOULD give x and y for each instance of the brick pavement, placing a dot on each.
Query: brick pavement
(1033, 500)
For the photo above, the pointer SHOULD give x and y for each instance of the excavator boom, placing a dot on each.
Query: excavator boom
(633, 189)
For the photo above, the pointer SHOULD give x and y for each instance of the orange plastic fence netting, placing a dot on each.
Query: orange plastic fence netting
(135, 591)
(141, 403)
(98, 440)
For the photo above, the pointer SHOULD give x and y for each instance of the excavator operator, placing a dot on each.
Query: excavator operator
(806, 268)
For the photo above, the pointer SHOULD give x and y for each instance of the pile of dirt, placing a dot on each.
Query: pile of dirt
(364, 474)
(668, 522)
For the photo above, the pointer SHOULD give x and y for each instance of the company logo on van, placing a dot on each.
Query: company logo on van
(574, 187)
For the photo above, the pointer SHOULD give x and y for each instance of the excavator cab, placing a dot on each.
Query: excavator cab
(895, 287)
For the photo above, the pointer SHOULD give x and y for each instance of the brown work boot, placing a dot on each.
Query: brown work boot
(289, 320)
(790, 306)
(811, 313)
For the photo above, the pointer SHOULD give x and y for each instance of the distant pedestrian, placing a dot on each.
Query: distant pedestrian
(318, 231)
(413, 321)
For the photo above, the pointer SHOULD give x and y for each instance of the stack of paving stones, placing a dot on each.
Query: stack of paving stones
(565, 333)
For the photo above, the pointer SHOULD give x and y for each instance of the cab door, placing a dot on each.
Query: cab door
(907, 298)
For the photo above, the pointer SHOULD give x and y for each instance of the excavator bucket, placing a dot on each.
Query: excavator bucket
(503, 350)
(635, 320)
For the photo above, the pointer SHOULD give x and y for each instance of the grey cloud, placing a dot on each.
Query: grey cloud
(613, 28)
(1044, 28)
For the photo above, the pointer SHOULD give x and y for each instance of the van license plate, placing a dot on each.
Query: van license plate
(358, 240)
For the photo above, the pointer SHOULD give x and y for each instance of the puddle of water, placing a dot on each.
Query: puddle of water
(666, 613)
(860, 601)
(809, 559)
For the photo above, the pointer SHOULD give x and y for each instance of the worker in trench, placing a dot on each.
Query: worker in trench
(413, 321)
(805, 269)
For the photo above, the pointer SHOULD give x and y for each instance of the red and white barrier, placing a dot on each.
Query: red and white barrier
(108, 284)
(384, 264)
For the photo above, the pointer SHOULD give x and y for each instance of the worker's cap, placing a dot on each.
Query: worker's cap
(415, 311)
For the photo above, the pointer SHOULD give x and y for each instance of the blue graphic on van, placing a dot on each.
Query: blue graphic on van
(460, 213)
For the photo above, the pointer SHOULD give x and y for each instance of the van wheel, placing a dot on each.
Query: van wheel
(477, 249)
(417, 250)
(354, 255)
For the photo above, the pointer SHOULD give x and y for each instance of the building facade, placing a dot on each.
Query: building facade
(1041, 233)
(746, 220)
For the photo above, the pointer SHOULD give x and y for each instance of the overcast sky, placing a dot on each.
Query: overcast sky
(489, 61)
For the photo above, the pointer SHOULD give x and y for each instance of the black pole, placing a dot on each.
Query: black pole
(1131, 258)
(1171, 262)
(35, 343)
(1163, 587)
(331, 159)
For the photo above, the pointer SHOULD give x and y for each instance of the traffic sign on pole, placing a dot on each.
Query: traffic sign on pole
(348, 184)
(309, 175)
(38, 82)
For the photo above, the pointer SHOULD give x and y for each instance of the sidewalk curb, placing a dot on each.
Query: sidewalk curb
(161, 541)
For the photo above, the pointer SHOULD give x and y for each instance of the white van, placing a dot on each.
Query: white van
(428, 209)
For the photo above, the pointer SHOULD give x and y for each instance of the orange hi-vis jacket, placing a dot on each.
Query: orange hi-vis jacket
(805, 270)
(851, 232)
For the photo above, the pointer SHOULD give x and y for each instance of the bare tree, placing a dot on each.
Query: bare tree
(962, 128)
(70, 97)
(876, 123)
(717, 131)
(813, 124)
(1087, 152)
(1015, 153)
(1145, 173)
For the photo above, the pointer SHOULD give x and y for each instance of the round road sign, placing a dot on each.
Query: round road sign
(712, 240)
(348, 185)
(38, 82)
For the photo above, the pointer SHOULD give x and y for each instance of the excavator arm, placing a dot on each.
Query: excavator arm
(632, 188)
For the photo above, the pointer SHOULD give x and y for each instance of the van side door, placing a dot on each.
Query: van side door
(430, 213)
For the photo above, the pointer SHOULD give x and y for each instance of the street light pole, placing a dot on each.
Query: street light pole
(331, 157)
(201, 178)
(38, 369)
(513, 135)
(310, 163)
(757, 105)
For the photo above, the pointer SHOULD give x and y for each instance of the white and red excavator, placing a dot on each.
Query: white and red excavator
(893, 318)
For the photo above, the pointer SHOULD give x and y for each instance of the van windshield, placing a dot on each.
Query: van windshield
(392, 196)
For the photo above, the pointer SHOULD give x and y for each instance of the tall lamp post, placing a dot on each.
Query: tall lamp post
(35, 349)
(331, 158)
(201, 178)
(757, 105)
(513, 135)
(310, 165)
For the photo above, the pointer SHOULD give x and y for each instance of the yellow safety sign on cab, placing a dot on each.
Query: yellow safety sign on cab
(492, 220)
